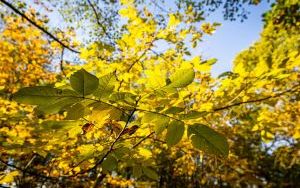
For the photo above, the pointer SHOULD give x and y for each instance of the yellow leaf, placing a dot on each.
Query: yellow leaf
(206, 106)
(297, 134)
(261, 68)
(145, 152)
(9, 177)
(173, 21)
(255, 127)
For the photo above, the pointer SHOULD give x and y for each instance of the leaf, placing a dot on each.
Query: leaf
(192, 115)
(75, 111)
(85, 151)
(110, 163)
(121, 152)
(83, 82)
(210, 61)
(150, 173)
(101, 110)
(58, 105)
(61, 128)
(8, 177)
(42, 95)
(174, 133)
(137, 171)
(59, 125)
(182, 78)
(174, 110)
(158, 120)
(106, 85)
(208, 140)
(124, 97)
(206, 66)
(145, 152)
(226, 74)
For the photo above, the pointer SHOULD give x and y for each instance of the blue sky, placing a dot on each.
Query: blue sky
(232, 37)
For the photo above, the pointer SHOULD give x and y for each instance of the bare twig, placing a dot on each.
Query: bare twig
(160, 7)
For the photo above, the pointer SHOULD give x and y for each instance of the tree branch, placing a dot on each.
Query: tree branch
(62, 62)
(44, 30)
(142, 140)
(98, 20)
(111, 148)
(291, 90)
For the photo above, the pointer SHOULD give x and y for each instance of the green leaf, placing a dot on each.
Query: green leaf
(158, 120)
(150, 173)
(137, 171)
(122, 152)
(124, 97)
(182, 78)
(58, 105)
(60, 129)
(174, 110)
(59, 125)
(192, 115)
(174, 133)
(106, 85)
(83, 82)
(208, 140)
(42, 95)
(225, 74)
(210, 61)
(110, 163)
(75, 111)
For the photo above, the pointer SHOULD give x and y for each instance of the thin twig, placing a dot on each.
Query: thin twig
(98, 20)
(30, 161)
(62, 62)
(291, 90)
(142, 140)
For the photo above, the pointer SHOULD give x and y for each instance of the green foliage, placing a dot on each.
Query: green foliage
(150, 173)
(83, 82)
(110, 163)
(208, 140)
(174, 133)
(106, 85)
(158, 120)
(42, 95)
(75, 111)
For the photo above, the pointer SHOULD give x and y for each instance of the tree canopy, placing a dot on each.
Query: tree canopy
(132, 107)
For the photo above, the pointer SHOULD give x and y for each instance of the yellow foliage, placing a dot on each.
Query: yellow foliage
(8, 177)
